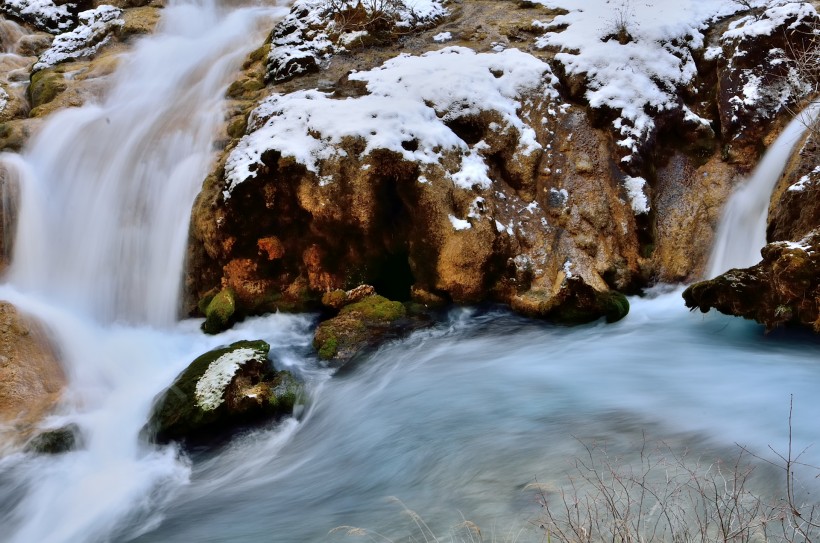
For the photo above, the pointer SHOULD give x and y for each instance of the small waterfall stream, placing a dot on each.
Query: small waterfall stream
(741, 232)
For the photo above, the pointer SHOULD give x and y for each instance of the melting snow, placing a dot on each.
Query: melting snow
(459, 224)
(442, 37)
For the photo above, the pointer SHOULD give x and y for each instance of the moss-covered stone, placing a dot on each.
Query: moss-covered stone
(614, 304)
(45, 86)
(784, 288)
(376, 308)
(329, 347)
(358, 325)
(207, 399)
(57, 441)
(219, 312)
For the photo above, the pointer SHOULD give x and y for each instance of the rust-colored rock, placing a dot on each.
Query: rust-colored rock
(31, 378)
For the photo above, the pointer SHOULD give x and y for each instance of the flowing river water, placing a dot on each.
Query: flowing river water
(457, 419)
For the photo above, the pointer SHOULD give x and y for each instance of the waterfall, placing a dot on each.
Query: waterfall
(741, 232)
(103, 195)
(106, 207)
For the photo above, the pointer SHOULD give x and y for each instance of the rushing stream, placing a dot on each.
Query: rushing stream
(457, 418)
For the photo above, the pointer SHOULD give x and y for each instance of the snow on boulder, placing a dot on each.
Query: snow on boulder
(43, 14)
(221, 390)
(316, 29)
(95, 30)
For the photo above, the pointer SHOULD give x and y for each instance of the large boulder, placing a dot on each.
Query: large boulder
(31, 377)
(466, 199)
(222, 390)
(784, 288)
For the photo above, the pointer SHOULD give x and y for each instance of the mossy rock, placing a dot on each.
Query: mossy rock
(219, 312)
(376, 308)
(358, 326)
(221, 390)
(60, 440)
(45, 86)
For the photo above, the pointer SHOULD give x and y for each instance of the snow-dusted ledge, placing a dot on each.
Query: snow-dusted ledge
(95, 30)
(412, 99)
(313, 30)
(44, 14)
(636, 57)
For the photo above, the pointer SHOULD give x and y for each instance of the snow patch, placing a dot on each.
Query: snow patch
(313, 32)
(443, 37)
(637, 198)
(210, 388)
(44, 14)
(635, 61)
(804, 182)
(459, 224)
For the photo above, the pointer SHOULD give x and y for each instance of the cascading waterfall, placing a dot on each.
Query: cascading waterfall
(741, 232)
(104, 221)
(104, 205)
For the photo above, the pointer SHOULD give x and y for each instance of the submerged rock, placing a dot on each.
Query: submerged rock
(222, 390)
(782, 289)
(31, 377)
(55, 441)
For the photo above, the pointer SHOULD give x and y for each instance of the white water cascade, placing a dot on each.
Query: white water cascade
(741, 232)
(105, 198)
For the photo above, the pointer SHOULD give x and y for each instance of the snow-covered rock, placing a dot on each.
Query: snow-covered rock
(221, 390)
(94, 30)
(43, 14)
(314, 30)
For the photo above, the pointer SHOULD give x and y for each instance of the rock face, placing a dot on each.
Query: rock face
(222, 390)
(31, 378)
(484, 217)
(520, 185)
(783, 288)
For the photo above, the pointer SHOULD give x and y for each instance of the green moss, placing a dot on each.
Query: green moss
(219, 312)
(236, 129)
(45, 86)
(376, 308)
(206, 300)
(335, 298)
(614, 304)
(329, 348)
